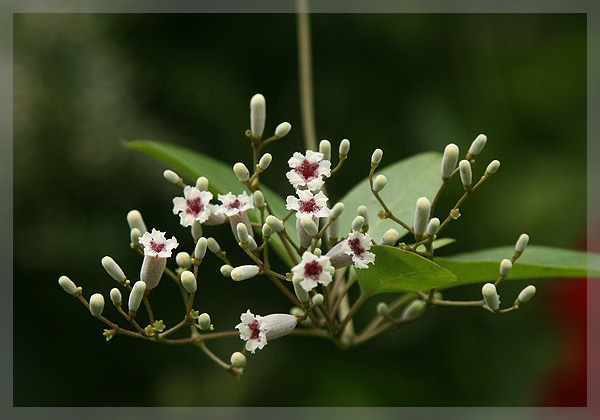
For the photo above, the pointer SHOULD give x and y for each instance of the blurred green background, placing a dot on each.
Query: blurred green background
(406, 83)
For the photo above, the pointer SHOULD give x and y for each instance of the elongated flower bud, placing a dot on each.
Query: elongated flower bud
(318, 299)
(135, 235)
(152, 270)
(325, 149)
(390, 237)
(67, 285)
(96, 304)
(238, 360)
(433, 226)
(113, 269)
(244, 272)
(204, 321)
(136, 295)
(413, 309)
(283, 129)
(188, 281)
(265, 161)
(522, 243)
(241, 171)
(275, 223)
(202, 183)
(183, 260)
(200, 250)
(422, 215)
(301, 294)
(115, 296)
(449, 160)
(358, 223)
(196, 230)
(258, 115)
(226, 270)
(336, 211)
(344, 147)
(505, 267)
(135, 220)
(252, 244)
(213, 245)
(364, 213)
(490, 296)
(171, 176)
(309, 225)
(466, 174)
(526, 294)
(492, 167)
(379, 183)
(334, 229)
(259, 199)
(278, 325)
(376, 157)
(242, 233)
(477, 146)
(267, 230)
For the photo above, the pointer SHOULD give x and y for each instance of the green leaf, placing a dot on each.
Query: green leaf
(408, 180)
(437, 244)
(536, 262)
(396, 270)
(191, 165)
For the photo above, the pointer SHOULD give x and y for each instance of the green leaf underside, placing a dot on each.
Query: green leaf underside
(408, 180)
(536, 262)
(191, 165)
(396, 270)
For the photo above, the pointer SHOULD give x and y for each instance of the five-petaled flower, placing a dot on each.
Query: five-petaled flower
(354, 249)
(308, 170)
(256, 329)
(313, 270)
(156, 251)
(234, 204)
(308, 204)
(193, 206)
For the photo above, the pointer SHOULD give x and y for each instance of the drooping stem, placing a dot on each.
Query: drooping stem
(305, 75)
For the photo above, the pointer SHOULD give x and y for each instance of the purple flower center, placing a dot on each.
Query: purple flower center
(234, 205)
(308, 171)
(309, 206)
(157, 247)
(313, 270)
(255, 330)
(194, 207)
(356, 247)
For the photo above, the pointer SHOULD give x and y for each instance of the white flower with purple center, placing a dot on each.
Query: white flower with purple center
(357, 246)
(255, 330)
(313, 270)
(308, 204)
(308, 170)
(193, 206)
(234, 205)
(156, 245)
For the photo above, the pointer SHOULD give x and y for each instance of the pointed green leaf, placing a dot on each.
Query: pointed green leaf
(536, 262)
(408, 180)
(396, 270)
(191, 165)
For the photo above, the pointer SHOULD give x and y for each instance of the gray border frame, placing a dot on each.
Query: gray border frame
(7, 10)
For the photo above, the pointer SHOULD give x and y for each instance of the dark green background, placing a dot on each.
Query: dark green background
(404, 83)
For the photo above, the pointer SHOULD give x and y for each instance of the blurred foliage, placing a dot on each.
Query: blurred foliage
(405, 83)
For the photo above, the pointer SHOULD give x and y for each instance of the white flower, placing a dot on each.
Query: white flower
(156, 245)
(193, 207)
(308, 204)
(313, 270)
(234, 204)
(255, 329)
(357, 246)
(308, 170)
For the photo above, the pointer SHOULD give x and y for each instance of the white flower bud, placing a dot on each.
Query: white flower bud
(244, 272)
(135, 220)
(422, 215)
(134, 236)
(275, 223)
(526, 294)
(492, 167)
(413, 308)
(318, 299)
(522, 243)
(278, 325)
(309, 226)
(196, 230)
(379, 183)
(490, 296)
(358, 223)
(334, 229)
(296, 311)
(477, 145)
(241, 171)
(362, 211)
(376, 157)
(213, 245)
(136, 295)
(383, 309)
(226, 270)
(267, 230)
(282, 129)
(344, 147)
(202, 183)
(449, 160)
(96, 304)
(113, 269)
(67, 285)
(300, 292)
(171, 176)
(238, 360)
(258, 115)
(325, 149)
(318, 251)
(433, 226)
(390, 237)
(336, 211)
(115, 296)
(505, 267)
(466, 175)
(259, 199)
(252, 244)
(204, 321)
(188, 281)
(200, 250)
(242, 232)
(265, 161)
(183, 260)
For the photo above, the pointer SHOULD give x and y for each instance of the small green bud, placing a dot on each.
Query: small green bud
(241, 171)
(309, 226)
(413, 308)
(449, 160)
(318, 299)
(296, 311)
(267, 230)
(213, 245)
(242, 232)
(204, 321)
(67, 285)
(202, 183)
(188, 281)
(171, 176)
(265, 161)
(259, 199)
(252, 246)
(376, 157)
(505, 267)
(383, 309)
(134, 236)
(490, 296)
(379, 183)
(344, 147)
(282, 129)
(275, 223)
(325, 149)
(115, 297)
(364, 213)
(466, 174)
(390, 237)
(336, 211)
(96, 304)
(226, 270)
(358, 223)
(200, 250)
(238, 360)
